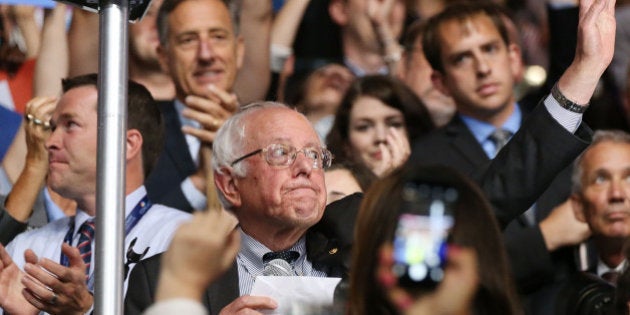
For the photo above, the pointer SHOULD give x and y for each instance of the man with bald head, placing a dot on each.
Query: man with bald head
(269, 171)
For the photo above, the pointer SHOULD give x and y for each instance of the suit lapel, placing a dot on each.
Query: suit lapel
(176, 145)
(463, 142)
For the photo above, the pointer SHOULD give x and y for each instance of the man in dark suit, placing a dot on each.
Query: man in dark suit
(477, 65)
(269, 171)
(202, 51)
(601, 198)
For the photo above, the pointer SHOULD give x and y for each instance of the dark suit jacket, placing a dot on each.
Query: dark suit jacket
(454, 145)
(533, 266)
(327, 245)
(521, 172)
(174, 164)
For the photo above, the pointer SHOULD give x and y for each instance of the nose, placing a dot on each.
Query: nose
(380, 135)
(206, 51)
(303, 165)
(53, 140)
(618, 190)
(482, 66)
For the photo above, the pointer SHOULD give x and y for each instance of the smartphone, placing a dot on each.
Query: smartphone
(420, 240)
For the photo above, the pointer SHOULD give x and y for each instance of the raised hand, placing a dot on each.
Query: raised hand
(38, 113)
(210, 111)
(594, 51)
(395, 152)
(596, 33)
(453, 295)
(201, 250)
(562, 228)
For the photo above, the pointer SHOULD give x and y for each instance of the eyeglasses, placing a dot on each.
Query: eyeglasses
(284, 155)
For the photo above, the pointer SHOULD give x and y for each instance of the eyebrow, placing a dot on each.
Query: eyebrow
(66, 116)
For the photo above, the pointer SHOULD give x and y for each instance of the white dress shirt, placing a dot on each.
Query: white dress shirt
(154, 231)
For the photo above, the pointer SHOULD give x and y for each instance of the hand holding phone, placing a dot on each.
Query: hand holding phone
(420, 238)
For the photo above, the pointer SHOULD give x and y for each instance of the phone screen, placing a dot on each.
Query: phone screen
(420, 244)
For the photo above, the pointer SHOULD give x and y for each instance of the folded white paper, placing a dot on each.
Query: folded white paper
(293, 293)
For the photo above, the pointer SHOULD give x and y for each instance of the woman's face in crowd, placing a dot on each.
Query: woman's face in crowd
(371, 121)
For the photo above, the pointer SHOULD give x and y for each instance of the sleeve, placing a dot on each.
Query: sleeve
(531, 263)
(195, 198)
(9, 227)
(528, 164)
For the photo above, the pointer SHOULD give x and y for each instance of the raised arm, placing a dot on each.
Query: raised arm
(83, 40)
(284, 30)
(20, 201)
(545, 145)
(52, 60)
(594, 51)
(25, 20)
(253, 78)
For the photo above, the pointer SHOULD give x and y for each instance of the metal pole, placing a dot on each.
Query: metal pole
(112, 122)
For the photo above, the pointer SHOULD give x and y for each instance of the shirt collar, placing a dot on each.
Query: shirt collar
(179, 107)
(130, 202)
(252, 252)
(602, 268)
(481, 130)
(53, 211)
(360, 72)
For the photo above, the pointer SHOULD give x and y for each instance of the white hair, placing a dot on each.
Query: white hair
(229, 142)
(614, 136)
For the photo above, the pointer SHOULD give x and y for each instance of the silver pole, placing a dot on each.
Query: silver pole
(112, 122)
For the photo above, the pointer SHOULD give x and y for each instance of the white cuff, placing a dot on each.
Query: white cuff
(195, 198)
(568, 119)
(279, 54)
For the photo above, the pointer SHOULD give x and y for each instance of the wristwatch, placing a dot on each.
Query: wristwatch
(565, 102)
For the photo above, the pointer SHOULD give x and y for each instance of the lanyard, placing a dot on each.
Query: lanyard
(130, 222)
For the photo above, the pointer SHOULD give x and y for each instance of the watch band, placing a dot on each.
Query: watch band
(566, 103)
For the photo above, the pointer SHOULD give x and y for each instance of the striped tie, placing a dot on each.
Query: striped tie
(500, 138)
(86, 234)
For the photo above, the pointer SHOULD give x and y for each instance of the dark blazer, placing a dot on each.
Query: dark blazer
(327, 245)
(174, 164)
(521, 172)
(532, 265)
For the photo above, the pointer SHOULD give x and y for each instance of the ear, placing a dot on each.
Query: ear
(227, 183)
(516, 62)
(437, 79)
(337, 11)
(240, 52)
(578, 207)
(134, 144)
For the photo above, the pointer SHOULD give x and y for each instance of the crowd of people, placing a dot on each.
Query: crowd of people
(314, 121)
